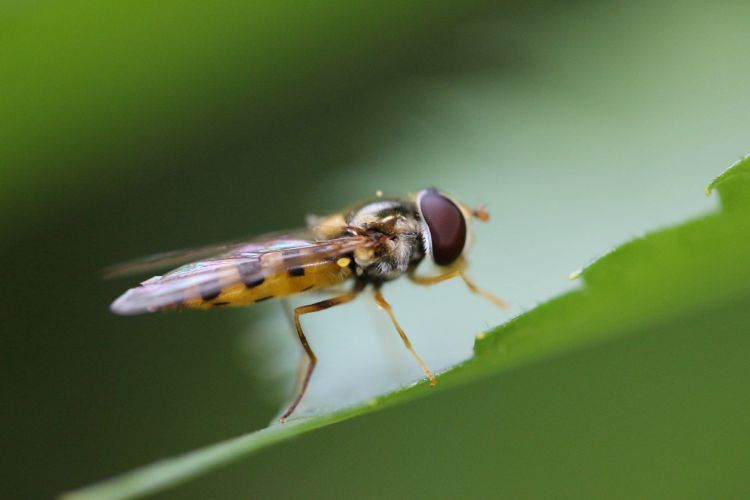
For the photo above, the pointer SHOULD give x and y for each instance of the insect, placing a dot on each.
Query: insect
(368, 244)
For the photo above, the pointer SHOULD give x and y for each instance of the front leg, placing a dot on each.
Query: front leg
(456, 270)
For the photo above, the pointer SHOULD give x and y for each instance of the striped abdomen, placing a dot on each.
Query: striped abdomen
(280, 283)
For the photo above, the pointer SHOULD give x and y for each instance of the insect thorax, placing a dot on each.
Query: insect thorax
(397, 232)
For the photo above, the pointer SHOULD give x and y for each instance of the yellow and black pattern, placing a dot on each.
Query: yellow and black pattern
(279, 283)
(248, 274)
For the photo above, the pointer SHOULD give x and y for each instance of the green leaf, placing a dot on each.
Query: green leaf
(731, 184)
(650, 282)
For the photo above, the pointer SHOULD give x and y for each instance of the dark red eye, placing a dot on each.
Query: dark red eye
(446, 224)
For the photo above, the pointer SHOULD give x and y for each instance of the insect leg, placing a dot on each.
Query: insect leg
(433, 280)
(289, 314)
(454, 273)
(383, 304)
(484, 293)
(312, 360)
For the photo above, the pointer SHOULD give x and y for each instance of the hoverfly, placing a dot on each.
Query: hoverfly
(369, 244)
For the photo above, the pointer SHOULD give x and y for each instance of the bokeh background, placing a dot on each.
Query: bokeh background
(132, 128)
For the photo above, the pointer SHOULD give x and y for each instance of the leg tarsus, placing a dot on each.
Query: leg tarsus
(484, 293)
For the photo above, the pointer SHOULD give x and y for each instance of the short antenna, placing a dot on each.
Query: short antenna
(481, 213)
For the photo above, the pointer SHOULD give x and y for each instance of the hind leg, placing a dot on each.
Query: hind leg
(311, 358)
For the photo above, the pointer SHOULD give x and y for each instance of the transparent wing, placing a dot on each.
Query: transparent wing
(249, 264)
(166, 260)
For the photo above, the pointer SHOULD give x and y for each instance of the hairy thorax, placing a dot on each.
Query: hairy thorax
(394, 228)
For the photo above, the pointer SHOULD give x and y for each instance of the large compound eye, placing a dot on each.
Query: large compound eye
(446, 225)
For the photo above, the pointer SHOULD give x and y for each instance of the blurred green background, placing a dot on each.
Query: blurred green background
(127, 129)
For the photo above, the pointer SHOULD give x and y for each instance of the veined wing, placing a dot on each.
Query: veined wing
(248, 273)
(173, 258)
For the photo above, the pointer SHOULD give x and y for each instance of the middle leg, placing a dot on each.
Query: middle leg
(383, 304)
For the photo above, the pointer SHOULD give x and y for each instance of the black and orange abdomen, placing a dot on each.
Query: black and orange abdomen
(279, 283)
